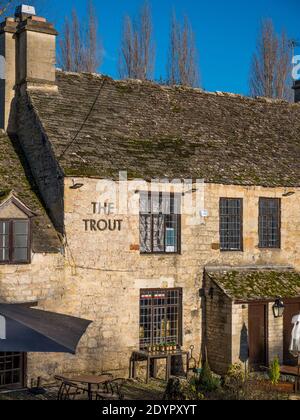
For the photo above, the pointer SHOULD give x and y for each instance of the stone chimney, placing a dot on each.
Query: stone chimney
(296, 88)
(28, 58)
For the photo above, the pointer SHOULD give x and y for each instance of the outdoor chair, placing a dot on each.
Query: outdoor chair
(112, 390)
(69, 390)
(104, 387)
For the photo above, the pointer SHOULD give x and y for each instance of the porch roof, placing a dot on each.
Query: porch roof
(257, 284)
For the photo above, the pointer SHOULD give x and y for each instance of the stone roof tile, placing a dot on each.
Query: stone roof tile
(252, 285)
(15, 177)
(156, 131)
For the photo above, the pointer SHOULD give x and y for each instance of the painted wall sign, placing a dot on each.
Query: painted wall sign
(102, 225)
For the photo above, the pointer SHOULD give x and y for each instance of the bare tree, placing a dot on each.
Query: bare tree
(93, 48)
(183, 66)
(5, 6)
(137, 55)
(80, 46)
(271, 64)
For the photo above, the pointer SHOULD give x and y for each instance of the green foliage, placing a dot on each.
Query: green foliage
(207, 381)
(274, 371)
(235, 381)
(191, 391)
(182, 390)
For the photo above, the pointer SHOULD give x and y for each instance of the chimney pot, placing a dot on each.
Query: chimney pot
(24, 11)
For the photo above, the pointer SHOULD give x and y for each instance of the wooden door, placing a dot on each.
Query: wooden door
(257, 336)
(291, 309)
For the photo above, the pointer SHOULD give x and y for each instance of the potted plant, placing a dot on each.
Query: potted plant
(173, 346)
(161, 347)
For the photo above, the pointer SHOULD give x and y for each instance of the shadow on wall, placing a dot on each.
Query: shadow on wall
(244, 345)
(40, 165)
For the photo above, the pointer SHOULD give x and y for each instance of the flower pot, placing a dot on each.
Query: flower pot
(281, 387)
(285, 387)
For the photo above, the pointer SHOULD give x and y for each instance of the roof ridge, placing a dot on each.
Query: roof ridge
(175, 88)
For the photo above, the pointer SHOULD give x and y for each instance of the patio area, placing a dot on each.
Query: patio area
(133, 390)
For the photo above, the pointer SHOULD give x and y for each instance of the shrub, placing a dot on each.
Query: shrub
(274, 371)
(235, 381)
(182, 389)
(207, 381)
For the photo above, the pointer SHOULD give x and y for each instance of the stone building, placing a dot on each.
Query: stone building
(208, 271)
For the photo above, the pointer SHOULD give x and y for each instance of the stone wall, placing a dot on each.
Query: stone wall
(105, 270)
(219, 327)
(275, 335)
(240, 334)
(40, 281)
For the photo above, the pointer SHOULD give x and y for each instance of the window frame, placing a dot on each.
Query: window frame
(241, 200)
(10, 260)
(180, 314)
(279, 213)
(151, 215)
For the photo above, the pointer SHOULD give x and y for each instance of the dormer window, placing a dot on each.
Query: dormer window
(14, 241)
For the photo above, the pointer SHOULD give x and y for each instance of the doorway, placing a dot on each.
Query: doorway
(258, 324)
(12, 370)
(291, 309)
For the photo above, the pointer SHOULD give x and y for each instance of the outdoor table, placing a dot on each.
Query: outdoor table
(90, 380)
(139, 356)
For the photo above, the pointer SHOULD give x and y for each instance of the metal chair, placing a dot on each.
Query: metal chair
(69, 390)
(113, 390)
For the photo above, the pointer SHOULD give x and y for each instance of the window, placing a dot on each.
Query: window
(160, 223)
(231, 224)
(14, 241)
(12, 370)
(269, 222)
(160, 317)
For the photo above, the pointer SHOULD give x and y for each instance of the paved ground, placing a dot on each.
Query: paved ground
(133, 391)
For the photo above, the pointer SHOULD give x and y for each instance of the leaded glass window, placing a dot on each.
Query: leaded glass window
(231, 224)
(160, 317)
(269, 222)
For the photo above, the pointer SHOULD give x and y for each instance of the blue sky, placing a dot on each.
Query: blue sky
(226, 32)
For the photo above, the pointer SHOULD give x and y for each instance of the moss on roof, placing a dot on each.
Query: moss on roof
(15, 177)
(257, 285)
(157, 131)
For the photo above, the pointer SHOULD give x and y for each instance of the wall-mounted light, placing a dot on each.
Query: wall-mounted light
(76, 185)
(278, 308)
